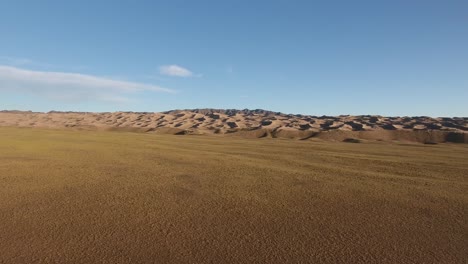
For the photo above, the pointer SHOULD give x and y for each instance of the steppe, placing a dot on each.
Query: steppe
(84, 195)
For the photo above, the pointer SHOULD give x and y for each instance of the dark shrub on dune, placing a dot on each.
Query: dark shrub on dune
(351, 140)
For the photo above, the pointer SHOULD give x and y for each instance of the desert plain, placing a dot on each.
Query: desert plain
(72, 194)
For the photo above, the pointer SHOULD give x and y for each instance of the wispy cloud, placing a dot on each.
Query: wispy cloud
(175, 70)
(15, 61)
(70, 86)
(24, 62)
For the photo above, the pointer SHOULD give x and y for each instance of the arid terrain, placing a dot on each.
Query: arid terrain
(254, 124)
(69, 196)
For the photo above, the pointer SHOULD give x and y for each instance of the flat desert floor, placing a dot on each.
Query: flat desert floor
(117, 197)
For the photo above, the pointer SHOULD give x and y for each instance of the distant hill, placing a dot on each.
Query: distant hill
(253, 124)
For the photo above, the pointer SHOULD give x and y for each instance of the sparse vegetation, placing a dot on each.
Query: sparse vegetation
(352, 140)
(119, 197)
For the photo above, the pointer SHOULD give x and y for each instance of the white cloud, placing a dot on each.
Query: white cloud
(15, 61)
(70, 86)
(175, 70)
(23, 62)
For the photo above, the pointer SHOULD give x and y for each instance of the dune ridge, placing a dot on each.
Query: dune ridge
(253, 124)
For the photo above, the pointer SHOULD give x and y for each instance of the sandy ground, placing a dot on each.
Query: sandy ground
(116, 197)
(253, 124)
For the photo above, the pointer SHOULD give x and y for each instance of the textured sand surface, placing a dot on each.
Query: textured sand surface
(254, 124)
(114, 197)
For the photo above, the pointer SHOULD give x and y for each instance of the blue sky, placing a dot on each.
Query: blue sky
(311, 57)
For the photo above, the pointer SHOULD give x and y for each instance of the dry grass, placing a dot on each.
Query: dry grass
(110, 197)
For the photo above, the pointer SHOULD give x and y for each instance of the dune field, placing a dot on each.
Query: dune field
(94, 196)
(253, 124)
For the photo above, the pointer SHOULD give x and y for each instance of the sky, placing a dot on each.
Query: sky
(397, 58)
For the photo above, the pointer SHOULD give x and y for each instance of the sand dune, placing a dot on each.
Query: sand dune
(253, 124)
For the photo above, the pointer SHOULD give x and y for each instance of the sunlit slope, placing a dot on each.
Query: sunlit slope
(253, 124)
